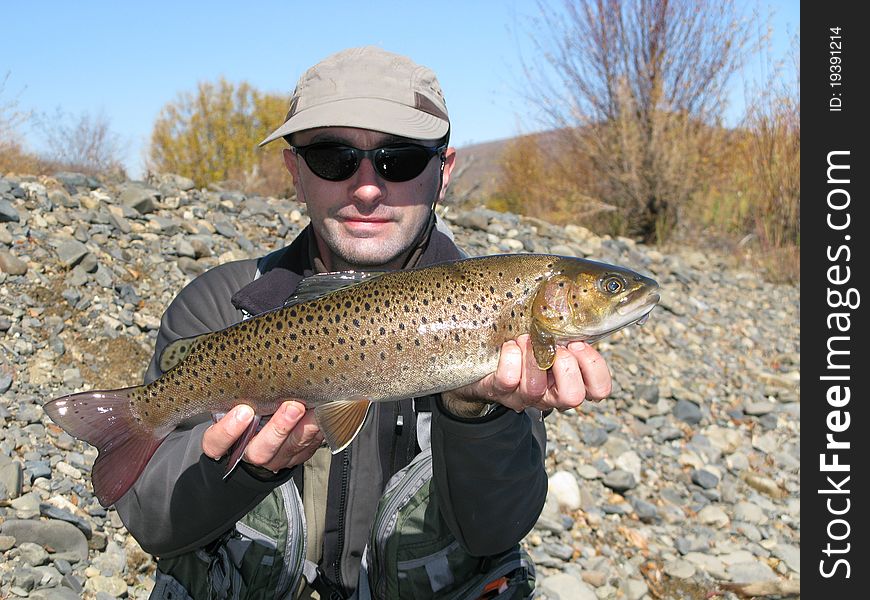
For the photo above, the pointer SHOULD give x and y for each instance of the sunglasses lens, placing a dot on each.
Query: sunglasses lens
(401, 163)
(337, 162)
(331, 161)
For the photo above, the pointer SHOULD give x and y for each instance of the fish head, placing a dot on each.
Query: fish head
(587, 300)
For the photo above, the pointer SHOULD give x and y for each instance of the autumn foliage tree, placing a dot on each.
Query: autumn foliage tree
(637, 89)
(211, 136)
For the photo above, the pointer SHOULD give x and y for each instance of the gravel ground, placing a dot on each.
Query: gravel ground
(684, 484)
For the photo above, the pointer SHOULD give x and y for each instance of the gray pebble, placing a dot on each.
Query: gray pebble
(619, 480)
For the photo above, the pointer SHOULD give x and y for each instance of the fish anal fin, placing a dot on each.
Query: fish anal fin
(177, 351)
(543, 346)
(341, 420)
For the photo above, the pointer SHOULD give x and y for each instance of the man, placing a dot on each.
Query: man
(368, 133)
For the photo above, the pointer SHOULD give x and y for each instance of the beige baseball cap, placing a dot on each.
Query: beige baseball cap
(368, 88)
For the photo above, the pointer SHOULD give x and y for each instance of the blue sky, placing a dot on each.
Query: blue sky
(126, 60)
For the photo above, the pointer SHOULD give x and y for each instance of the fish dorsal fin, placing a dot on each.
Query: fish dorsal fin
(321, 284)
(341, 420)
(543, 346)
(176, 351)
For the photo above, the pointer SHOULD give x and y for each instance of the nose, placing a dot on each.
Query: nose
(368, 187)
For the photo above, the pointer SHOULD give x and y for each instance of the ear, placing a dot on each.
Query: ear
(448, 162)
(291, 163)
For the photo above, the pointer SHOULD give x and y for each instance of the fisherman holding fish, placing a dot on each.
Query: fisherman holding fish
(368, 135)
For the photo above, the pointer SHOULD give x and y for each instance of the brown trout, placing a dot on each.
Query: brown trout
(349, 339)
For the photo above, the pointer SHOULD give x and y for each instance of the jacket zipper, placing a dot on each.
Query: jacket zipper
(342, 508)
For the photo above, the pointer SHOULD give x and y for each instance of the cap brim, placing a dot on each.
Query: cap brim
(366, 113)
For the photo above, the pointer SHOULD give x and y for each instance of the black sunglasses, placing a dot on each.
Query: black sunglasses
(394, 162)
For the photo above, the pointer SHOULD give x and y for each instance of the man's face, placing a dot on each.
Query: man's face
(365, 221)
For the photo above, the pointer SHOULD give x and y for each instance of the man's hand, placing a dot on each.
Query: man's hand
(578, 373)
(289, 438)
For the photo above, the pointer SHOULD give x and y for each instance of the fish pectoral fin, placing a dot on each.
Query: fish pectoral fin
(237, 450)
(177, 351)
(543, 346)
(341, 420)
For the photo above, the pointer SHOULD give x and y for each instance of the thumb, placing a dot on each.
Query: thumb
(220, 437)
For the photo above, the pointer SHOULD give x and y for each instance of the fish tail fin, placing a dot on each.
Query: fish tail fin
(105, 420)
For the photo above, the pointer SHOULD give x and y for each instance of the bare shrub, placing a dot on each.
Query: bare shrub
(638, 88)
(84, 143)
(13, 157)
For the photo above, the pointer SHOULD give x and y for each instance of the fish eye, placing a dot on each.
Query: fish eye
(613, 284)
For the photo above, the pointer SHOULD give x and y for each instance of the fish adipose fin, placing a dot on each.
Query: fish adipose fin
(104, 420)
(340, 421)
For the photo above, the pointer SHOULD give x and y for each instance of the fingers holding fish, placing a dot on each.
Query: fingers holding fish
(595, 372)
(578, 373)
(220, 436)
(288, 439)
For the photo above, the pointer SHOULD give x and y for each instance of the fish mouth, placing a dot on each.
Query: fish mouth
(634, 311)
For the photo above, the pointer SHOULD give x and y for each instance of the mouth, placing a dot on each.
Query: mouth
(632, 313)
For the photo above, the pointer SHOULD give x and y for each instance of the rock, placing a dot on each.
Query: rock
(114, 587)
(680, 569)
(10, 480)
(11, 264)
(140, 198)
(705, 478)
(32, 554)
(564, 489)
(71, 252)
(8, 213)
(750, 513)
(688, 412)
(619, 480)
(64, 538)
(714, 515)
(751, 571)
(563, 586)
